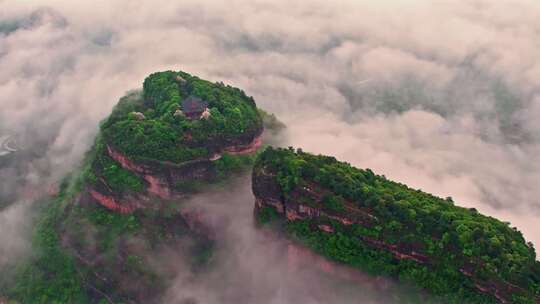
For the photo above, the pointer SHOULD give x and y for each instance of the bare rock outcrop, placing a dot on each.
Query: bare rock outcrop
(161, 177)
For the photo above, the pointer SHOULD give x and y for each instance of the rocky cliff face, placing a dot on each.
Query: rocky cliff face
(306, 214)
(147, 189)
(147, 152)
(268, 194)
(189, 230)
(160, 177)
(104, 229)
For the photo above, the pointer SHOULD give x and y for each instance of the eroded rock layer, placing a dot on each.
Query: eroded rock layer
(161, 177)
(359, 219)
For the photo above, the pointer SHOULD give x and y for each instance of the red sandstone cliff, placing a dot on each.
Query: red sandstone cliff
(293, 207)
(160, 177)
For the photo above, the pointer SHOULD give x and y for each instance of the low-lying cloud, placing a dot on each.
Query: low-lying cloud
(251, 265)
(442, 96)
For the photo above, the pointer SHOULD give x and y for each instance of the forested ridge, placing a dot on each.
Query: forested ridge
(349, 215)
(82, 250)
(462, 247)
(163, 136)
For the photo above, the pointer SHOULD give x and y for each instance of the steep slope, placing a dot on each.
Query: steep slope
(99, 239)
(355, 217)
(152, 145)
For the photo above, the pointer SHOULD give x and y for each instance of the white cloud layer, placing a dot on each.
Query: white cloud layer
(444, 96)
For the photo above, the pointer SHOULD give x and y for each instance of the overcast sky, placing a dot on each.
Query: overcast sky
(444, 96)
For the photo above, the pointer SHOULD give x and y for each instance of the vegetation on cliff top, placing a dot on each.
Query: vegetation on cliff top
(452, 237)
(77, 243)
(164, 133)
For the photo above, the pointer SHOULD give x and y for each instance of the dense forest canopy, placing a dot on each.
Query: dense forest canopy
(150, 125)
(163, 133)
(452, 237)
